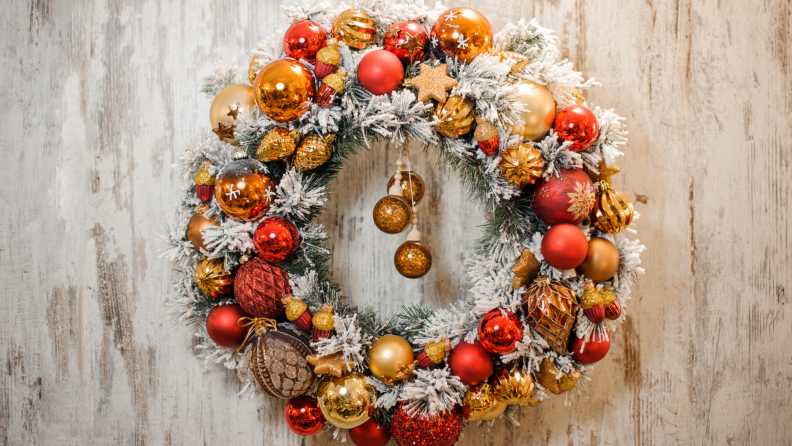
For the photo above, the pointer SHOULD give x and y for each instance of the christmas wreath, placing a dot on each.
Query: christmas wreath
(551, 273)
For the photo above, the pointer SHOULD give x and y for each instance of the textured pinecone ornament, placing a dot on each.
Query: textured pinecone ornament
(327, 59)
(455, 115)
(277, 144)
(323, 323)
(613, 211)
(549, 307)
(486, 135)
(259, 288)
(332, 85)
(204, 182)
(433, 353)
(276, 361)
(297, 312)
(592, 303)
(313, 152)
(521, 165)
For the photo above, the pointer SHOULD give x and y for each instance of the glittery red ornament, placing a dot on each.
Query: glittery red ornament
(498, 334)
(442, 429)
(407, 40)
(568, 199)
(276, 239)
(578, 125)
(370, 433)
(303, 40)
(259, 288)
(593, 350)
(221, 324)
(613, 311)
(303, 415)
(564, 246)
(380, 72)
(472, 363)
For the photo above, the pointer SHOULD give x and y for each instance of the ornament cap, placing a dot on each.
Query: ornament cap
(240, 153)
(414, 235)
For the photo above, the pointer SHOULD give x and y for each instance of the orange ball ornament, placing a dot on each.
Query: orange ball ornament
(194, 227)
(463, 33)
(242, 189)
(602, 260)
(284, 90)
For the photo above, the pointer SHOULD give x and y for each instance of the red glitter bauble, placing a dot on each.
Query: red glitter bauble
(578, 125)
(593, 350)
(303, 40)
(442, 429)
(303, 415)
(407, 40)
(259, 288)
(564, 246)
(498, 334)
(276, 239)
(370, 433)
(568, 199)
(221, 324)
(380, 72)
(472, 363)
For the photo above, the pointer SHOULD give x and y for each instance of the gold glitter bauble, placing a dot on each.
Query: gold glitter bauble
(495, 411)
(284, 90)
(355, 28)
(194, 226)
(346, 401)
(456, 116)
(391, 359)
(413, 259)
(520, 61)
(228, 104)
(478, 401)
(512, 386)
(602, 260)
(613, 211)
(539, 111)
(392, 214)
(241, 190)
(276, 359)
(521, 165)
(412, 184)
(212, 278)
(463, 33)
(277, 144)
(313, 152)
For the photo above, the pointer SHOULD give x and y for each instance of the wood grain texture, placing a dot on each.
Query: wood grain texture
(100, 96)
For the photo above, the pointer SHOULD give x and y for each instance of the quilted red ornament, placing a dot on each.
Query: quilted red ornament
(564, 246)
(499, 334)
(303, 40)
(578, 125)
(276, 239)
(568, 199)
(593, 350)
(303, 415)
(407, 40)
(370, 433)
(259, 288)
(442, 429)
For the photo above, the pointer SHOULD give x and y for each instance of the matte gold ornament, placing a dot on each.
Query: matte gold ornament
(456, 116)
(313, 152)
(355, 28)
(226, 107)
(334, 364)
(553, 380)
(278, 143)
(606, 172)
(520, 61)
(463, 33)
(602, 260)
(550, 307)
(253, 70)
(521, 165)
(512, 386)
(392, 214)
(433, 83)
(212, 278)
(391, 359)
(284, 90)
(539, 111)
(526, 269)
(413, 259)
(277, 361)
(495, 411)
(412, 184)
(613, 211)
(478, 401)
(346, 401)
(195, 226)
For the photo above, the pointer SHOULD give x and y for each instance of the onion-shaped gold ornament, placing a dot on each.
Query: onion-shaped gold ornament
(391, 359)
(478, 401)
(212, 278)
(456, 116)
(613, 211)
(278, 143)
(313, 152)
(521, 165)
(413, 259)
(512, 386)
(412, 184)
(355, 28)
(346, 401)
(392, 214)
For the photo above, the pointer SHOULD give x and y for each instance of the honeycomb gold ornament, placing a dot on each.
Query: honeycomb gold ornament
(241, 188)
(521, 165)
(520, 61)
(313, 152)
(456, 116)
(495, 411)
(227, 106)
(463, 33)
(550, 307)
(284, 90)
(392, 214)
(539, 110)
(212, 278)
(412, 184)
(346, 401)
(477, 402)
(613, 211)
(413, 259)
(511, 386)
(355, 28)
(391, 359)
(277, 144)
(276, 360)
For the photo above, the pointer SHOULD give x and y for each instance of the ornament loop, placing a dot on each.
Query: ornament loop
(259, 325)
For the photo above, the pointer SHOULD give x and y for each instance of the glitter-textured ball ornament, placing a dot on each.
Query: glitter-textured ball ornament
(495, 411)
(392, 214)
(259, 287)
(284, 90)
(498, 333)
(550, 307)
(227, 105)
(539, 111)
(346, 401)
(276, 361)
(463, 33)
(355, 28)
(222, 326)
(303, 415)
(313, 152)
(303, 40)
(241, 190)
(407, 40)
(277, 144)
(413, 259)
(391, 359)
(370, 433)
(442, 429)
(521, 164)
(276, 239)
(578, 125)
(456, 116)
(471, 362)
(512, 386)
(593, 350)
(477, 402)
(412, 184)
(613, 211)
(564, 246)
(380, 72)
(212, 278)
(195, 225)
(565, 199)
(602, 260)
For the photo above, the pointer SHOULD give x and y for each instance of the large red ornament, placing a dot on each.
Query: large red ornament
(221, 324)
(407, 40)
(442, 429)
(303, 415)
(380, 72)
(259, 288)
(370, 433)
(578, 125)
(568, 199)
(276, 239)
(593, 350)
(472, 363)
(498, 334)
(303, 40)
(564, 246)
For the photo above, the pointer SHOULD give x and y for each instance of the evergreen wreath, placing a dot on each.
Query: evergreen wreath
(550, 322)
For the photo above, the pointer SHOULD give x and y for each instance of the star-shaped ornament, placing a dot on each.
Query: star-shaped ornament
(394, 32)
(411, 43)
(433, 83)
(233, 110)
(334, 364)
(525, 270)
(605, 172)
(224, 131)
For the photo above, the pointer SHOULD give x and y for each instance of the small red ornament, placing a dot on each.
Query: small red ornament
(303, 40)
(380, 72)
(407, 40)
(593, 350)
(578, 125)
(221, 324)
(499, 334)
(472, 363)
(332, 85)
(595, 314)
(568, 199)
(613, 311)
(303, 415)
(204, 182)
(442, 429)
(276, 239)
(259, 288)
(564, 246)
(297, 312)
(327, 59)
(370, 433)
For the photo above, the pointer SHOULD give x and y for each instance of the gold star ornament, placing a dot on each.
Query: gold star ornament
(334, 364)
(605, 172)
(224, 131)
(433, 83)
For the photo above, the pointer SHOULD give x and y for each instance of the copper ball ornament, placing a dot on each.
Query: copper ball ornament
(412, 186)
(392, 214)
(413, 259)
(568, 198)
(276, 239)
(228, 105)
(241, 190)
(564, 246)
(578, 125)
(260, 287)
(539, 111)
(284, 90)
(194, 229)
(212, 278)
(303, 415)
(602, 260)
(222, 325)
(303, 40)
(463, 33)
(391, 359)
(346, 401)
(498, 333)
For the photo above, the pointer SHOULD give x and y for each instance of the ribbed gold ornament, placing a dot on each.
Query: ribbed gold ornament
(212, 278)
(456, 116)
(355, 28)
(512, 386)
(313, 152)
(412, 184)
(278, 143)
(478, 401)
(521, 165)
(495, 411)
(613, 211)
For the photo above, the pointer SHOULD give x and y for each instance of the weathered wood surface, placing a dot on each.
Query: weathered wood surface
(100, 96)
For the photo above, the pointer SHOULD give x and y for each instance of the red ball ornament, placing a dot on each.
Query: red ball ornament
(370, 433)
(498, 334)
(276, 239)
(303, 415)
(578, 125)
(442, 429)
(407, 40)
(564, 246)
(303, 40)
(380, 72)
(593, 350)
(472, 363)
(568, 199)
(259, 288)
(221, 324)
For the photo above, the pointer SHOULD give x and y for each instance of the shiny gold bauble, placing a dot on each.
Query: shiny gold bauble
(355, 28)
(520, 61)
(413, 259)
(539, 111)
(521, 164)
(613, 211)
(478, 401)
(602, 260)
(495, 411)
(391, 359)
(412, 186)
(456, 116)
(241, 190)
(346, 401)
(194, 226)
(463, 33)
(229, 104)
(212, 278)
(284, 90)
(512, 386)
(253, 70)
(392, 214)
(277, 144)
(313, 152)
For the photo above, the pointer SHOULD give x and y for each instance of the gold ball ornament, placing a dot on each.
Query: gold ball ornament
(602, 260)
(495, 411)
(194, 227)
(520, 61)
(284, 90)
(413, 259)
(512, 386)
(241, 190)
(313, 152)
(355, 28)
(456, 116)
(346, 401)
(412, 184)
(613, 211)
(392, 214)
(521, 165)
(277, 144)
(539, 111)
(391, 359)
(212, 278)
(463, 33)
(478, 401)
(226, 108)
